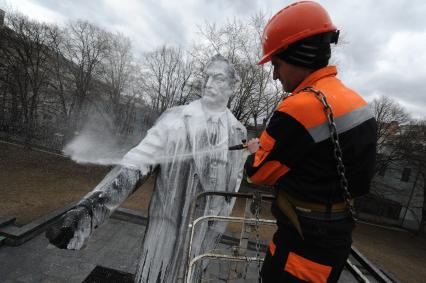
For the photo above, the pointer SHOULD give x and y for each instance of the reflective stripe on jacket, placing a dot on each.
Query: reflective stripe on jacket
(296, 152)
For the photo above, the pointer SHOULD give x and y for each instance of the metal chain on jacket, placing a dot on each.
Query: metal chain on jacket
(337, 150)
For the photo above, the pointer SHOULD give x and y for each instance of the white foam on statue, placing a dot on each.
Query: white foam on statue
(189, 164)
(189, 145)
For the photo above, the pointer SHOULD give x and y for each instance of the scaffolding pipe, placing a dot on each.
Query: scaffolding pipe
(224, 219)
(218, 256)
(183, 272)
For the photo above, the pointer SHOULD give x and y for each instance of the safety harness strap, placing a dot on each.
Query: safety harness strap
(293, 208)
(287, 208)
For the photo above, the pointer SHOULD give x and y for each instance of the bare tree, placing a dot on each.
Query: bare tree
(389, 116)
(268, 93)
(61, 84)
(25, 57)
(107, 89)
(84, 48)
(116, 72)
(133, 102)
(167, 78)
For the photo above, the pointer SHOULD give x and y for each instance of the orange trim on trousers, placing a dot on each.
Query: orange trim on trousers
(306, 269)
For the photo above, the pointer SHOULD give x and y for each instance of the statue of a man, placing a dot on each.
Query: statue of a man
(188, 146)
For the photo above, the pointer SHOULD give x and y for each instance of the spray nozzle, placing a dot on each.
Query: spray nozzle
(243, 145)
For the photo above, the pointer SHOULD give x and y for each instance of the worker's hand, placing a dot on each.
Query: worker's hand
(253, 145)
(72, 229)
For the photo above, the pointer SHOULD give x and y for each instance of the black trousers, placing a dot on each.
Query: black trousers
(319, 257)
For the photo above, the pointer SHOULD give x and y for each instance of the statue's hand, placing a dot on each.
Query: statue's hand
(72, 229)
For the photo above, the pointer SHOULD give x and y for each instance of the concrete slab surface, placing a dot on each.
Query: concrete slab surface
(114, 245)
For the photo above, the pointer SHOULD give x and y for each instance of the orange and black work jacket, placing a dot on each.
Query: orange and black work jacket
(296, 152)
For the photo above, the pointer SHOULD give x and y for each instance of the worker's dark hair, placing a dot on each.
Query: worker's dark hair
(312, 52)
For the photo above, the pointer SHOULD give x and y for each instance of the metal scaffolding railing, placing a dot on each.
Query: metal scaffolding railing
(236, 256)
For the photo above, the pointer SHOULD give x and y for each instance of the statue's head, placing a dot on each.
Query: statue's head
(220, 81)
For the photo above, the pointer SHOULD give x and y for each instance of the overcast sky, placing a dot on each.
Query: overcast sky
(382, 52)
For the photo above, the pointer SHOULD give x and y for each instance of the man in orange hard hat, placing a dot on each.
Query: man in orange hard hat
(318, 150)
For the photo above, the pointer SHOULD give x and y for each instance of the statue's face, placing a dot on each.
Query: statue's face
(219, 86)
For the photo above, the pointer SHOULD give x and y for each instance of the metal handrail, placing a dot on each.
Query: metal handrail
(225, 219)
(371, 268)
(218, 256)
(192, 222)
(356, 272)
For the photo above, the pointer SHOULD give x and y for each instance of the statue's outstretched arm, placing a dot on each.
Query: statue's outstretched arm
(111, 192)
(75, 227)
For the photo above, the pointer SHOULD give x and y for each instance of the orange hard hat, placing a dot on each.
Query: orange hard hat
(293, 23)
